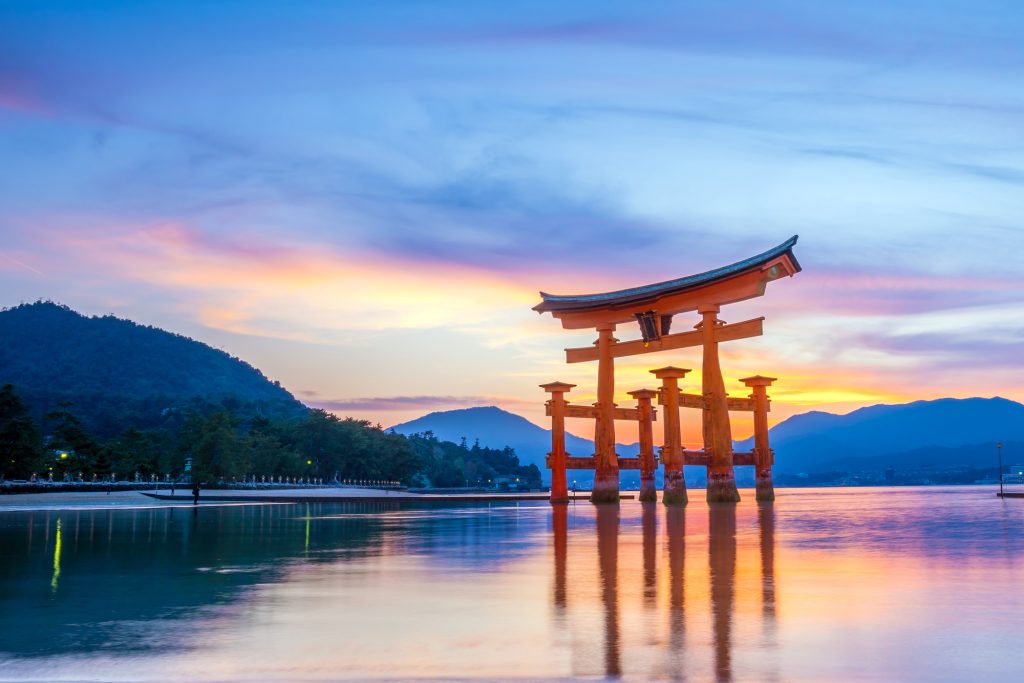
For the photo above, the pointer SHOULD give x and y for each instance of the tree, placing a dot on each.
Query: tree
(20, 444)
(354, 449)
(133, 451)
(268, 456)
(74, 449)
(447, 464)
(216, 451)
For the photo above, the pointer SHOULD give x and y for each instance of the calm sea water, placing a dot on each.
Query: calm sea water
(909, 584)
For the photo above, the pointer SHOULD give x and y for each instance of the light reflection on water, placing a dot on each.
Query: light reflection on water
(828, 584)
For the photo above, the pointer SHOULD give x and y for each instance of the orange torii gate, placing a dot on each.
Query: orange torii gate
(653, 307)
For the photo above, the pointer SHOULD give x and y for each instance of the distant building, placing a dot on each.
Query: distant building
(510, 483)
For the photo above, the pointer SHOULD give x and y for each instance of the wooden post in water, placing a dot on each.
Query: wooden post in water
(672, 450)
(648, 491)
(556, 458)
(717, 429)
(764, 458)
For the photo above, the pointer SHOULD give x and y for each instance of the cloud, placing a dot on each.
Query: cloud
(386, 403)
(514, 225)
(7, 261)
(1014, 176)
(698, 27)
(999, 349)
(922, 159)
(304, 291)
(851, 154)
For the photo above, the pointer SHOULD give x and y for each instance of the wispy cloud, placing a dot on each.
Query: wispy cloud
(12, 261)
(992, 350)
(235, 283)
(389, 403)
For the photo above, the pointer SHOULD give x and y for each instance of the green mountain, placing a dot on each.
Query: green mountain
(119, 374)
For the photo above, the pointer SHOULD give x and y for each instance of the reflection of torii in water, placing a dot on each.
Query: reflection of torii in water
(722, 561)
(608, 562)
(653, 307)
(766, 527)
(722, 567)
(675, 548)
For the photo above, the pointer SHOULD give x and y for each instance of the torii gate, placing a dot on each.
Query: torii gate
(653, 307)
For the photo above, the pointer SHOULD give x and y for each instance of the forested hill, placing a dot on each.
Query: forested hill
(114, 370)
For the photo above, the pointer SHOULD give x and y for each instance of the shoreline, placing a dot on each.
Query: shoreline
(320, 496)
(134, 499)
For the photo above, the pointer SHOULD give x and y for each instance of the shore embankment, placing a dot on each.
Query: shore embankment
(341, 495)
(183, 497)
(22, 487)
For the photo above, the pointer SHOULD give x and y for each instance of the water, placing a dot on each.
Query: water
(909, 584)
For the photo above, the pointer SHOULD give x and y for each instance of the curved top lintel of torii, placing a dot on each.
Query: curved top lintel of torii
(739, 281)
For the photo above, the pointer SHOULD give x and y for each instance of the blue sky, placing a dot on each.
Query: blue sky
(364, 199)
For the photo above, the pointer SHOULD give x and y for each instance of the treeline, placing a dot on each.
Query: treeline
(223, 446)
(446, 464)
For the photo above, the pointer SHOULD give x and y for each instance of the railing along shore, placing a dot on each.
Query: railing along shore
(19, 486)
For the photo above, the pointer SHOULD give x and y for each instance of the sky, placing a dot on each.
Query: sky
(363, 199)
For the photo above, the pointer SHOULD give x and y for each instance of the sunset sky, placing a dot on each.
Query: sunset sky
(363, 200)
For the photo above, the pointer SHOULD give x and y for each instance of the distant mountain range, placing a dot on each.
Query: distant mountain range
(497, 428)
(945, 432)
(117, 372)
(950, 430)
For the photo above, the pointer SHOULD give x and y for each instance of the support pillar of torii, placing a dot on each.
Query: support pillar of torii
(557, 456)
(648, 489)
(764, 457)
(672, 451)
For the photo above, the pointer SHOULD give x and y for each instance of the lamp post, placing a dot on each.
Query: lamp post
(999, 450)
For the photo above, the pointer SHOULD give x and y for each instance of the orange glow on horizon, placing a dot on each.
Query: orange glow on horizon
(237, 285)
(350, 301)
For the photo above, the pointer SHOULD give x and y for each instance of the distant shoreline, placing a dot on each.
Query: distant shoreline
(26, 487)
(162, 489)
(56, 501)
(133, 498)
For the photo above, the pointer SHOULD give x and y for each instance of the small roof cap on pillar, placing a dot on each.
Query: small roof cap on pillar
(758, 381)
(643, 393)
(670, 371)
(557, 387)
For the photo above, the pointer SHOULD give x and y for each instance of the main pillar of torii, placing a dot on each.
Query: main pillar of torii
(717, 428)
(653, 307)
